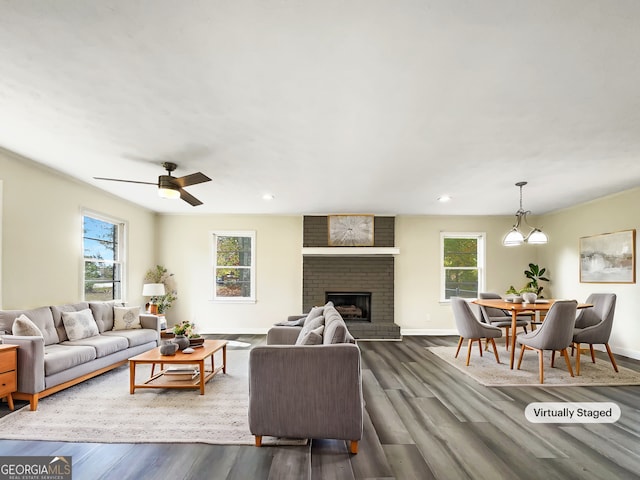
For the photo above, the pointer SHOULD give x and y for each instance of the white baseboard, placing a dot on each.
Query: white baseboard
(238, 331)
(625, 352)
(429, 331)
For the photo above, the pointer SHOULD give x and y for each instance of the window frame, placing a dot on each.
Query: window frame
(214, 265)
(480, 266)
(122, 231)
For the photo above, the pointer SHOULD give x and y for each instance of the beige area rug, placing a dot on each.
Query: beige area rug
(486, 371)
(102, 410)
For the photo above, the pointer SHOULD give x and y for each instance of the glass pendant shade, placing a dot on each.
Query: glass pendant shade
(537, 237)
(513, 238)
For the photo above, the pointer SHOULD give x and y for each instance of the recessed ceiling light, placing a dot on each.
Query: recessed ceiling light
(268, 196)
(444, 198)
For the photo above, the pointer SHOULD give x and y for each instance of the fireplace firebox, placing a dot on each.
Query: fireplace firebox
(353, 306)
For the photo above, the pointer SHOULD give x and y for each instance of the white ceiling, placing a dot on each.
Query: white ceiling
(352, 106)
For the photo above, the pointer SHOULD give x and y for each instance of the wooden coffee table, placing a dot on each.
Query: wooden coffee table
(198, 357)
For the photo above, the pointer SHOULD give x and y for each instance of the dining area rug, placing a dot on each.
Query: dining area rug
(101, 410)
(487, 372)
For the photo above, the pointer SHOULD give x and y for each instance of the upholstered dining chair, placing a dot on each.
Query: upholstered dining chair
(593, 326)
(499, 318)
(555, 334)
(472, 329)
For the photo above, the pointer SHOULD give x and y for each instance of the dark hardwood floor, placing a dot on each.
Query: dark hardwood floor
(424, 419)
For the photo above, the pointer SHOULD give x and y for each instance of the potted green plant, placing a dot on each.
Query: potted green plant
(159, 274)
(512, 291)
(535, 274)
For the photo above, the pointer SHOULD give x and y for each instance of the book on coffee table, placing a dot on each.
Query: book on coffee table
(181, 373)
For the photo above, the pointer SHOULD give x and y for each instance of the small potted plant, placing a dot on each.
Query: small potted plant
(529, 294)
(513, 295)
(182, 331)
(187, 330)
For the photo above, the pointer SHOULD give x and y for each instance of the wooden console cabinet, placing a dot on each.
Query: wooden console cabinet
(8, 372)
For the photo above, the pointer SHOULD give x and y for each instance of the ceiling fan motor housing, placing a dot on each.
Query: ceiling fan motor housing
(168, 182)
(169, 166)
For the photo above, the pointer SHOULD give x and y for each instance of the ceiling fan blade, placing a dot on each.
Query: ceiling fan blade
(192, 179)
(127, 181)
(190, 199)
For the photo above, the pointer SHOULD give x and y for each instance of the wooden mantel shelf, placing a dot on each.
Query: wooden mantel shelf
(349, 251)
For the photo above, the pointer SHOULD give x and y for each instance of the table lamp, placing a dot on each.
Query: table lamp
(153, 290)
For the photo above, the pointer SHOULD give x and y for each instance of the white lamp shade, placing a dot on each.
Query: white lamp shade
(513, 238)
(538, 237)
(153, 289)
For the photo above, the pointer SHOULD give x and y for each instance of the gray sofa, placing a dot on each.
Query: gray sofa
(51, 362)
(307, 391)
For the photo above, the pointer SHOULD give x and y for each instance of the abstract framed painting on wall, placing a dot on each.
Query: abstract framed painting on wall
(608, 258)
(351, 230)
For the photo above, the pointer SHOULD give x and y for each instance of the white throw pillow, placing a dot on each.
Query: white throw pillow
(126, 318)
(79, 325)
(23, 326)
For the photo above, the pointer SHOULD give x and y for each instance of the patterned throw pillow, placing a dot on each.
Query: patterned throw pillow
(79, 325)
(126, 318)
(23, 326)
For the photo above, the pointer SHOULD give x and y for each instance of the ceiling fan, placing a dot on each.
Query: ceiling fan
(170, 186)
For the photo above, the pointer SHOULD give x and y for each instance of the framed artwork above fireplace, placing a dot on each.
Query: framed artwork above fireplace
(350, 230)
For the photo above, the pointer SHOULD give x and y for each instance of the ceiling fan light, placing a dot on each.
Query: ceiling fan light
(169, 192)
(167, 188)
(537, 237)
(513, 238)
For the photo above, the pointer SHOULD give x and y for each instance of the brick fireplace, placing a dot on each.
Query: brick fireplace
(348, 277)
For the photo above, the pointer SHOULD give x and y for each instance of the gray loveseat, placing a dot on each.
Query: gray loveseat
(307, 391)
(51, 362)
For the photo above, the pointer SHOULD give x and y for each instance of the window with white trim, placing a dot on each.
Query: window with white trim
(103, 252)
(234, 261)
(462, 263)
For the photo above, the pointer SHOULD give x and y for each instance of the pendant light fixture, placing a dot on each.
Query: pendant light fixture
(515, 237)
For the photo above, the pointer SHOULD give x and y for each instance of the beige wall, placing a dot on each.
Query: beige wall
(184, 247)
(417, 307)
(561, 256)
(41, 235)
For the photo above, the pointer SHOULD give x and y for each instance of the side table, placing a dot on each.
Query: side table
(8, 372)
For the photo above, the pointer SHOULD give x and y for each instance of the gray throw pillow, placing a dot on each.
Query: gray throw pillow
(308, 326)
(292, 323)
(23, 326)
(313, 337)
(315, 312)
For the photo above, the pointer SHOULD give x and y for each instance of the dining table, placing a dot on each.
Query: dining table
(540, 305)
